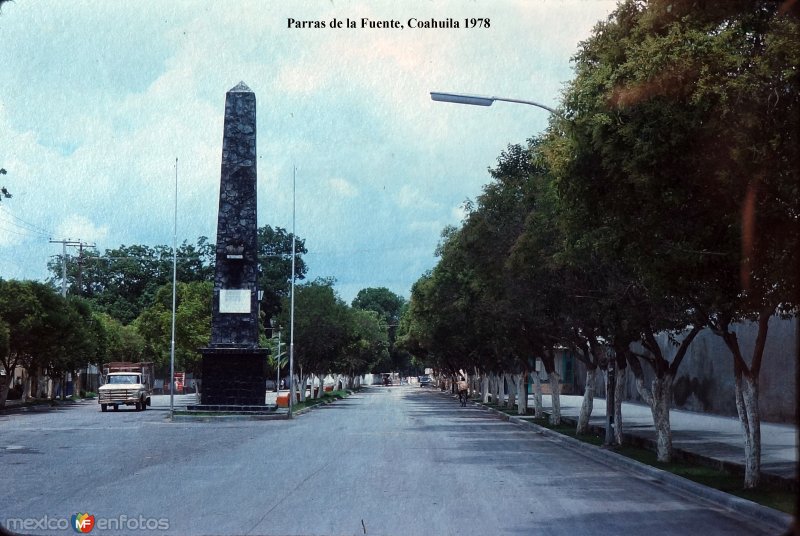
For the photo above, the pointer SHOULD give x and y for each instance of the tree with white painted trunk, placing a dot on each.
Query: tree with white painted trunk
(659, 395)
(509, 382)
(589, 353)
(520, 385)
(554, 379)
(619, 396)
(538, 408)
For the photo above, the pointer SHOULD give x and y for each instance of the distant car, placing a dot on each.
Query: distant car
(387, 381)
(425, 381)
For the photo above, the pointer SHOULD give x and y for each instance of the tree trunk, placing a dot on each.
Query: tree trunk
(746, 388)
(520, 381)
(662, 396)
(588, 401)
(303, 381)
(555, 396)
(485, 388)
(538, 410)
(501, 390)
(512, 391)
(77, 383)
(26, 385)
(619, 393)
(746, 391)
(27, 388)
(658, 397)
(5, 385)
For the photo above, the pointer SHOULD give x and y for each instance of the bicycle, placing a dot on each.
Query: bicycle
(462, 397)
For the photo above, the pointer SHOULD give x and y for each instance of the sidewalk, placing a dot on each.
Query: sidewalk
(711, 436)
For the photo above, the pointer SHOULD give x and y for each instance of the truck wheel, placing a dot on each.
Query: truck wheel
(103, 408)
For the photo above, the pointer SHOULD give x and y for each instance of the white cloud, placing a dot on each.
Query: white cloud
(77, 227)
(458, 213)
(411, 197)
(343, 188)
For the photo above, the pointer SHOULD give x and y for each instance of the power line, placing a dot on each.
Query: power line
(26, 224)
(26, 233)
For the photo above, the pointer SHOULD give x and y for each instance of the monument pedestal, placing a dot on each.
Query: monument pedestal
(234, 376)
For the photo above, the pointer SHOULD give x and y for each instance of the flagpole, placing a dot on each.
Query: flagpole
(291, 328)
(174, 281)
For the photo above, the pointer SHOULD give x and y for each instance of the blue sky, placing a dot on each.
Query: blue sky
(98, 99)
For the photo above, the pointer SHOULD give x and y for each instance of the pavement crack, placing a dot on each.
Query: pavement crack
(295, 488)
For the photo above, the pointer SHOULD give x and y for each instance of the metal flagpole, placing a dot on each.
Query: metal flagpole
(174, 281)
(291, 328)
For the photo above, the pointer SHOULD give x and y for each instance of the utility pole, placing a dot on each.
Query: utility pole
(81, 245)
(64, 244)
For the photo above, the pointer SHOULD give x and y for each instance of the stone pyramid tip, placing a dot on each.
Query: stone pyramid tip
(242, 87)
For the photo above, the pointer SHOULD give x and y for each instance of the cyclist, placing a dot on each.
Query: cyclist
(462, 390)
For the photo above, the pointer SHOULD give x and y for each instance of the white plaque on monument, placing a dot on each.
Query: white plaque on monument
(234, 300)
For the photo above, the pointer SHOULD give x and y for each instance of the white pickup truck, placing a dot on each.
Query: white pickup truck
(129, 384)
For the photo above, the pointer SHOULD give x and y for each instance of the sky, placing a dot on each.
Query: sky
(98, 99)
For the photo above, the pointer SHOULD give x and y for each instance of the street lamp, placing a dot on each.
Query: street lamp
(479, 100)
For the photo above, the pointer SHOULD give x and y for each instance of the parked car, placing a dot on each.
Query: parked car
(425, 381)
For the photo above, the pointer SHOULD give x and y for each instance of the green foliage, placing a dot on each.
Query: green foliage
(321, 325)
(39, 328)
(389, 307)
(368, 348)
(123, 281)
(685, 128)
(192, 324)
(275, 267)
(330, 336)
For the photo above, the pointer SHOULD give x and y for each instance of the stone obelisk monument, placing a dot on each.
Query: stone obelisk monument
(234, 367)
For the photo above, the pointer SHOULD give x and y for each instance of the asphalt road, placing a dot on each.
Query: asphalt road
(386, 461)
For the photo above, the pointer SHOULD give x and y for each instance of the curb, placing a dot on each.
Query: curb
(270, 417)
(227, 418)
(737, 505)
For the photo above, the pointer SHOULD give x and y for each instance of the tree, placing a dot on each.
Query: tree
(122, 342)
(368, 343)
(123, 281)
(192, 322)
(275, 268)
(321, 327)
(43, 331)
(388, 306)
(684, 126)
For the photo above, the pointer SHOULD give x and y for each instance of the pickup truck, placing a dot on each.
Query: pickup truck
(129, 384)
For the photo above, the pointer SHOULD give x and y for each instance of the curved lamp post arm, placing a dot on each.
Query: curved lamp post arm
(479, 100)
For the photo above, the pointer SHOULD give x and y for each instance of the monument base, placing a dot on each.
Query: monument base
(234, 376)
